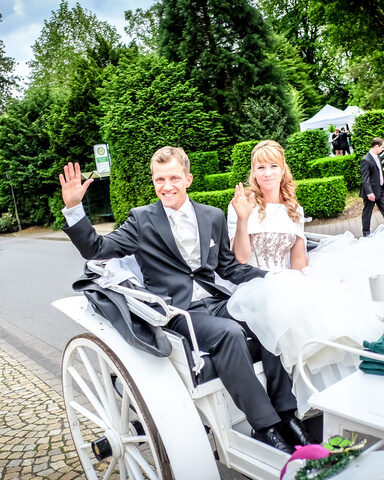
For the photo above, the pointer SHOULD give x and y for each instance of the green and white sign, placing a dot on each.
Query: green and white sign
(102, 158)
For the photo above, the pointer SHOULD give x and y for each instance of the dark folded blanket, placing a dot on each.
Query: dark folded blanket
(368, 365)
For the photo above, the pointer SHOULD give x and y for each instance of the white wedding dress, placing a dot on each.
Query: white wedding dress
(330, 302)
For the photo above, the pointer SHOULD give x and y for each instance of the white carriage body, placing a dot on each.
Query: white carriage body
(181, 409)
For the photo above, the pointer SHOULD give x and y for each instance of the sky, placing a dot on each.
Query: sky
(23, 20)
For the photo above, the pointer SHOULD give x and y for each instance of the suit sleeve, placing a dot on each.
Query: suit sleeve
(366, 176)
(228, 267)
(92, 246)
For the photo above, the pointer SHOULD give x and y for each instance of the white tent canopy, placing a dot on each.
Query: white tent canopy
(329, 115)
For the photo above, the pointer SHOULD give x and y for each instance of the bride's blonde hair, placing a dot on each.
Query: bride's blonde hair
(269, 151)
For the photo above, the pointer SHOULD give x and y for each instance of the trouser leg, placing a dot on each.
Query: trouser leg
(279, 384)
(225, 340)
(366, 216)
(380, 202)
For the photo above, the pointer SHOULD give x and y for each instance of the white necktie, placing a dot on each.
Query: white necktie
(184, 237)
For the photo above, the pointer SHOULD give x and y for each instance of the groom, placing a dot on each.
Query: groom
(179, 244)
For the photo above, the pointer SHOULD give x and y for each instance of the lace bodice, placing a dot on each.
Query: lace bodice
(271, 249)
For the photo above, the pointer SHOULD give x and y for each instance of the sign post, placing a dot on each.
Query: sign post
(102, 158)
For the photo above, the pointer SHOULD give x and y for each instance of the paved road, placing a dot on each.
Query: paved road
(33, 334)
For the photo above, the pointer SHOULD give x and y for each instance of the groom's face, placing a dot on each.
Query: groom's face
(171, 183)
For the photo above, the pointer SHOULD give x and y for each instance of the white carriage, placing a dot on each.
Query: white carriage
(134, 415)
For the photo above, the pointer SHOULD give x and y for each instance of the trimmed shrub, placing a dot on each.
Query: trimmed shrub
(366, 127)
(202, 163)
(218, 198)
(8, 223)
(346, 165)
(322, 197)
(218, 181)
(241, 160)
(303, 147)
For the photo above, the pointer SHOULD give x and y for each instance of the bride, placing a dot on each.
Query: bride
(323, 295)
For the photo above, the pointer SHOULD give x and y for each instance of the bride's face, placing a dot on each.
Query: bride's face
(268, 176)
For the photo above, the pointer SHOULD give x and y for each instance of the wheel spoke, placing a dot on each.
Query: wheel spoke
(138, 457)
(133, 468)
(110, 469)
(88, 392)
(134, 439)
(124, 419)
(85, 446)
(94, 377)
(111, 403)
(94, 406)
(123, 470)
(91, 416)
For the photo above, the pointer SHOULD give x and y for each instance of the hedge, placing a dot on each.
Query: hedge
(218, 181)
(347, 165)
(303, 147)
(202, 163)
(216, 198)
(322, 197)
(366, 127)
(241, 160)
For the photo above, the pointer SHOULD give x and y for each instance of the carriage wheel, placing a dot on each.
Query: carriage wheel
(112, 429)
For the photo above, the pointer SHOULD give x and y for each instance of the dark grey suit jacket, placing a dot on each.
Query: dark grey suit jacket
(370, 177)
(147, 234)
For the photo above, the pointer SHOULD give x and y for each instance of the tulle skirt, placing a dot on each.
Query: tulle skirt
(331, 301)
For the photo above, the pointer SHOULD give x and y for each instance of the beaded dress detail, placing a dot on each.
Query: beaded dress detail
(271, 249)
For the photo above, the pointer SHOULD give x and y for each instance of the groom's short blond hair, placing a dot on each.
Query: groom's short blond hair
(165, 154)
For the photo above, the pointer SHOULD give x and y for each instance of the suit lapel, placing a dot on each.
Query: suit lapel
(377, 166)
(160, 221)
(205, 227)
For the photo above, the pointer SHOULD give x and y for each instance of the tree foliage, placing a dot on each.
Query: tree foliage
(25, 157)
(301, 23)
(143, 28)
(148, 103)
(225, 46)
(7, 79)
(65, 37)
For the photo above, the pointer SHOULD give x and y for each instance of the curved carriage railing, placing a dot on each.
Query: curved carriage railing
(135, 299)
(346, 348)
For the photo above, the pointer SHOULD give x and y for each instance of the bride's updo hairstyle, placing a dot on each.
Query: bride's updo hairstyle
(269, 151)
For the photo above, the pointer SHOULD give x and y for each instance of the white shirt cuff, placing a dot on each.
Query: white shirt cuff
(74, 214)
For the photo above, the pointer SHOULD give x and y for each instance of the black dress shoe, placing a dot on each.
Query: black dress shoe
(271, 436)
(294, 432)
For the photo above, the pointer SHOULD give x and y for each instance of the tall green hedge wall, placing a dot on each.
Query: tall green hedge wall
(347, 165)
(241, 161)
(303, 147)
(202, 164)
(367, 126)
(320, 197)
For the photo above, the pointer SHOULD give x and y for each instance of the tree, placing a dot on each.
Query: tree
(7, 79)
(25, 157)
(66, 36)
(73, 123)
(301, 22)
(148, 103)
(357, 29)
(225, 46)
(298, 73)
(143, 28)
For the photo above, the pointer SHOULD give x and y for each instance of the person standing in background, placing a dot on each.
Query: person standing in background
(336, 145)
(344, 141)
(372, 183)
